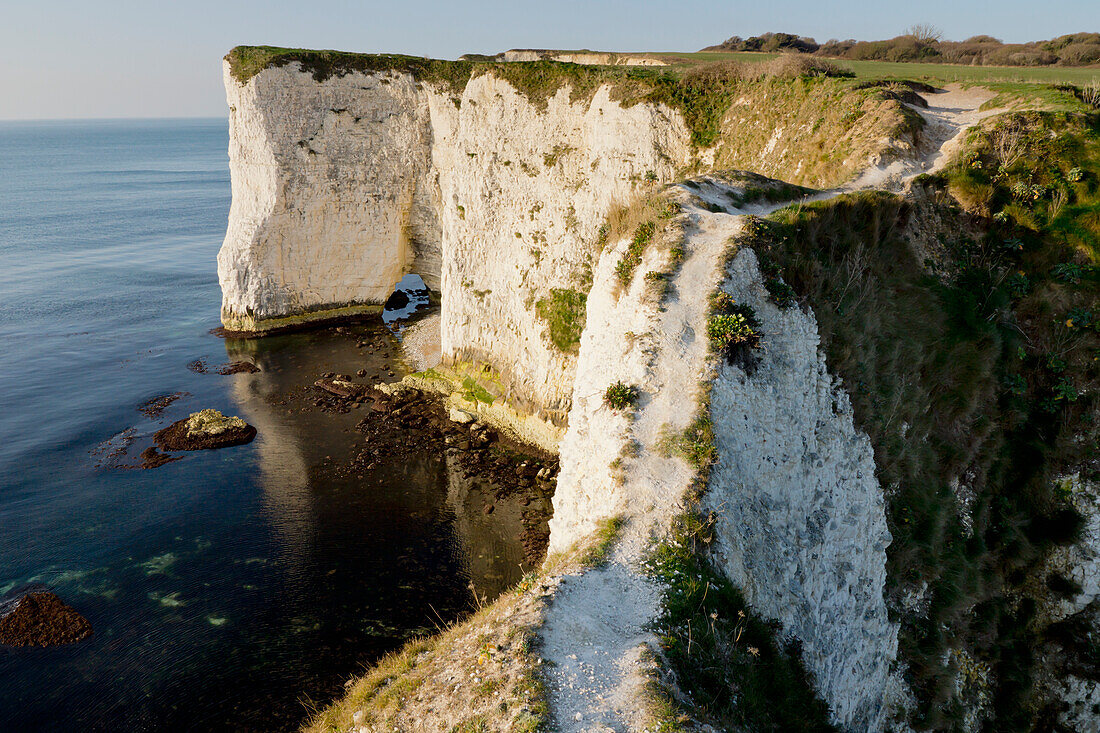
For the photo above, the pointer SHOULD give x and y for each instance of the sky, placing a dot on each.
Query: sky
(158, 58)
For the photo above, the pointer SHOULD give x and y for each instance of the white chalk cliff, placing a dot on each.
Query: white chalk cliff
(340, 187)
(343, 185)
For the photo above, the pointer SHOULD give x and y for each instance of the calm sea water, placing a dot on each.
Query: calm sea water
(227, 589)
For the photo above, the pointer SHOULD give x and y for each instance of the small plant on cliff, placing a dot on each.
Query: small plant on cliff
(620, 395)
(733, 328)
(695, 444)
(782, 294)
(474, 392)
(659, 284)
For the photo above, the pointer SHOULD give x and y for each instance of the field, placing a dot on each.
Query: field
(1017, 86)
(932, 73)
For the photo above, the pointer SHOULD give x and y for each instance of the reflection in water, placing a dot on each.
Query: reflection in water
(284, 468)
(495, 559)
(302, 450)
(265, 574)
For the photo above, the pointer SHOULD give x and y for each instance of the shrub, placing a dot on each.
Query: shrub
(733, 328)
(633, 255)
(620, 396)
(728, 331)
(782, 293)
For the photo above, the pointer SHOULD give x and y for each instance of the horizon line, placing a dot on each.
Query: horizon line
(135, 118)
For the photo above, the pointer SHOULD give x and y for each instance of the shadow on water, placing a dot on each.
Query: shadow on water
(286, 576)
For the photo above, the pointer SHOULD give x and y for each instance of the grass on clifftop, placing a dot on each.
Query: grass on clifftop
(933, 73)
(702, 95)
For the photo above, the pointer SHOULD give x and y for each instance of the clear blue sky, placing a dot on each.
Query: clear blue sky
(162, 58)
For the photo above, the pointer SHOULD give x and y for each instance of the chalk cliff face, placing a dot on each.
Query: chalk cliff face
(342, 186)
(800, 516)
(330, 203)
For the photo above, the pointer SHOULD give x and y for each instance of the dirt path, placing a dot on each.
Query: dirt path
(598, 624)
(950, 113)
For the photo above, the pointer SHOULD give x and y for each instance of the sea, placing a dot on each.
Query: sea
(234, 589)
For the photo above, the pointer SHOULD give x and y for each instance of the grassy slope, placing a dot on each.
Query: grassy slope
(829, 130)
(970, 360)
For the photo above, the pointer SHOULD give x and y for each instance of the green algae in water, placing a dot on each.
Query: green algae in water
(168, 600)
(159, 565)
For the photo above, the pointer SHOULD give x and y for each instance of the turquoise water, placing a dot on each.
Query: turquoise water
(229, 588)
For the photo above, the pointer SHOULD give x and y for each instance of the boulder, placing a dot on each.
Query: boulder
(238, 367)
(205, 429)
(398, 300)
(459, 416)
(340, 387)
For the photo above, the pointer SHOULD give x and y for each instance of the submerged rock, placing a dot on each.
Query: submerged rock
(43, 619)
(205, 429)
(151, 458)
(238, 367)
(153, 408)
(340, 387)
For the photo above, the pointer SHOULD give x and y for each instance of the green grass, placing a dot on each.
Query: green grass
(630, 260)
(1030, 86)
(930, 72)
(956, 372)
(564, 313)
(607, 534)
(739, 674)
(247, 61)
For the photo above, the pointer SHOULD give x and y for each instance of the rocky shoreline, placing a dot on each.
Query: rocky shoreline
(411, 421)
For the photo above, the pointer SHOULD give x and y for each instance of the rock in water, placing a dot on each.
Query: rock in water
(340, 387)
(205, 429)
(43, 619)
(398, 300)
(238, 367)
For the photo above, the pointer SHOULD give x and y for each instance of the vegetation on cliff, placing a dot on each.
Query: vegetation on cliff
(970, 354)
(732, 669)
(701, 94)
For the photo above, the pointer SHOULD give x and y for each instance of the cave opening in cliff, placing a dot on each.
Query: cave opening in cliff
(409, 295)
